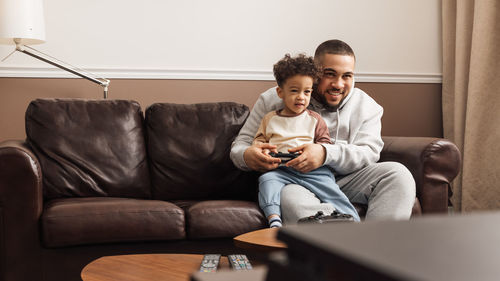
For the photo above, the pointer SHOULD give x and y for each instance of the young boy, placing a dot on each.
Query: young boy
(292, 126)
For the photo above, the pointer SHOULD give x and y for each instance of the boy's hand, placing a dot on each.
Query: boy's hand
(312, 157)
(256, 158)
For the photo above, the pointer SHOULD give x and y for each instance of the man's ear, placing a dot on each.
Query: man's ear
(280, 92)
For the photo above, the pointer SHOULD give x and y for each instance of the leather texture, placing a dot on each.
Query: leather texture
(189, 149)
(433, 162)
(97, 220)
(223, 218)
(20, 211)
(89, 147)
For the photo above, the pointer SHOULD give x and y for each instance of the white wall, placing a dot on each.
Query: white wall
(394, 40)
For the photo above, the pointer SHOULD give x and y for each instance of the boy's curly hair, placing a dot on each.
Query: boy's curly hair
(290, 66)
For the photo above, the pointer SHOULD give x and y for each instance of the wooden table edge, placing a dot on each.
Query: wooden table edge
(243, 241)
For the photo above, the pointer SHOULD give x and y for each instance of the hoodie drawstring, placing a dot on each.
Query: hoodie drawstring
(338, 125)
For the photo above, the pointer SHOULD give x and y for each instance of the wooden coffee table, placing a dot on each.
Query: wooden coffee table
(157, 267)
(260, 240)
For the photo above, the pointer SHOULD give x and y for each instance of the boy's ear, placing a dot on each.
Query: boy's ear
(279, 91)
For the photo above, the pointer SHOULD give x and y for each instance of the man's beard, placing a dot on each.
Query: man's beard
(321, 99)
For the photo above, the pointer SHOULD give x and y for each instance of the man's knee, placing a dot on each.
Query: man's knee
(394, 193)
(399, 176)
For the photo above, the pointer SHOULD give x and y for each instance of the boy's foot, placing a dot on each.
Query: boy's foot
(275, 222)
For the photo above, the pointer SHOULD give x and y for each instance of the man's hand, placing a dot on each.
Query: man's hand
(312, 157)
(257, 159)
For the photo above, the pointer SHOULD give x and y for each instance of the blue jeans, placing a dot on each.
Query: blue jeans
(321, 182)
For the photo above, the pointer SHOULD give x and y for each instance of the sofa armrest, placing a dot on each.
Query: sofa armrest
(20, 211)
(433, 162)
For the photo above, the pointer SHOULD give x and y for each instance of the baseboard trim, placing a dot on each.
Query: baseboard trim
(204, 74)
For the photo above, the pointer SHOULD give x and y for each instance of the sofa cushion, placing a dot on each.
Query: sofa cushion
(95, 220)
(89, 147)
(223, 219)
(189, 149)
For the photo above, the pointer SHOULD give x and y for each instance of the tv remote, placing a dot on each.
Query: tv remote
(210, 263)
(239, 262)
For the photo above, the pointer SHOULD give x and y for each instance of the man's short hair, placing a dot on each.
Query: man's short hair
(333, 47)
(290, 66)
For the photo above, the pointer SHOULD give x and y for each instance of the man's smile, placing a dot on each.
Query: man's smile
(334, 92)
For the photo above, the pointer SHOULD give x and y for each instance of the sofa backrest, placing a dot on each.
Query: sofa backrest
(189, 145)
(89, 147)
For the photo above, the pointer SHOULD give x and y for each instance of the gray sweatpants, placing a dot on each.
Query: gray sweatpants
(388, 188)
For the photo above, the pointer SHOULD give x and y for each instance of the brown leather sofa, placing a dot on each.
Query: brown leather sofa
(97, 178)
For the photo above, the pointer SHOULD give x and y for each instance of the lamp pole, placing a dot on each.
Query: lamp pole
(101, 81)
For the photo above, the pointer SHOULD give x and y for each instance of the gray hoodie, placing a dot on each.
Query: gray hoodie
(354, 129)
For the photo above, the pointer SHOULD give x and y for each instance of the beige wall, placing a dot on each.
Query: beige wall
(168, 39)
(410, 109)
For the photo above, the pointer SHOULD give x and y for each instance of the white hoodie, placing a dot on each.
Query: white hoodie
(356, 140)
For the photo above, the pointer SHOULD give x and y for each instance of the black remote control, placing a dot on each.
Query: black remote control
(285, 157)
(210, 263)
(239, 262)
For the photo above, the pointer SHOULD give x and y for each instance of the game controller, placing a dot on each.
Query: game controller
(285, 157)
(320, 217)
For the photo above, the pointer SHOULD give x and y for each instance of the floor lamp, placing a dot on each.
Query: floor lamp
(22, 23)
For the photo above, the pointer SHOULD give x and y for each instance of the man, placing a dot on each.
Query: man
(354, 122)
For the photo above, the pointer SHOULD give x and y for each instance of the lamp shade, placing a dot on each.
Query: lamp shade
(23, 20)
